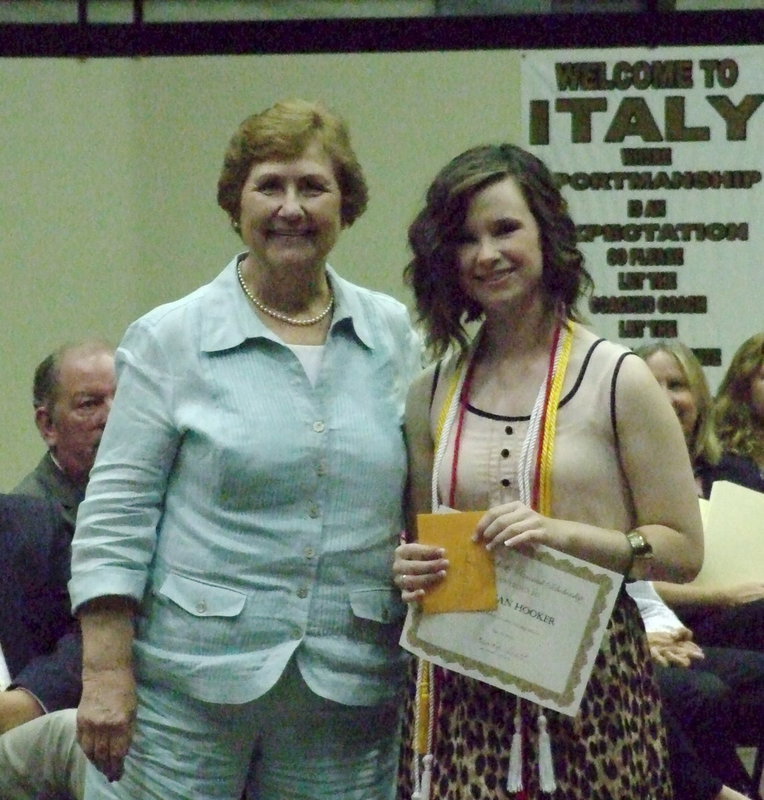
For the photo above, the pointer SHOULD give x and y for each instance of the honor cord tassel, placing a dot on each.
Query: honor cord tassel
(515, 774)
(426, 776)
(424, 727)
(546, 765)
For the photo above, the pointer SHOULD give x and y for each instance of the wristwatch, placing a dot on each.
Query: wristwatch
(640, 548)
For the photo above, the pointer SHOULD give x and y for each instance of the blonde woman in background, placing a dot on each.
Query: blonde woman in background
(681, 376)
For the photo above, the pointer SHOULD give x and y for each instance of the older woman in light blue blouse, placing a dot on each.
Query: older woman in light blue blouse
(231, 565)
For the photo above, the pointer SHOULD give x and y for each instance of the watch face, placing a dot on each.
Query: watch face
(641, 547)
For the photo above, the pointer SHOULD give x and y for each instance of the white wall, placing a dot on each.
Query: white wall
(108, 179)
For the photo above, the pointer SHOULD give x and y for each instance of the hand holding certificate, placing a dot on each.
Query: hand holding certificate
(546, 603)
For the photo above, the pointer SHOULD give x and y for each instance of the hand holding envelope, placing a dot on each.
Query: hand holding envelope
(470, 584)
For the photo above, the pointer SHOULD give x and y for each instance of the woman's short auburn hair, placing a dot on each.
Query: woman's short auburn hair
(437, 229)
(283, 132)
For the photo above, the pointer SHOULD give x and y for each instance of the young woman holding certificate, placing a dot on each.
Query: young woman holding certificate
(553, 432)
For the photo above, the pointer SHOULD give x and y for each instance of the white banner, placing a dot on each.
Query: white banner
(659, 154)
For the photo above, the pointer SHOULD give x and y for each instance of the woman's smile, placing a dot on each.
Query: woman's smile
(499, 256)
(290, 211)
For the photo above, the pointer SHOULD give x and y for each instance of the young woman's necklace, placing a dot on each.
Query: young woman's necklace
(271, 312)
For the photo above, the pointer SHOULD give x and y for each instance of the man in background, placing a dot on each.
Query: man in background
(40, 651)
(41, 655)
(72, 394)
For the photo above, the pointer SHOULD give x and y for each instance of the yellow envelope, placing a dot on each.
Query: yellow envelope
(470, 584)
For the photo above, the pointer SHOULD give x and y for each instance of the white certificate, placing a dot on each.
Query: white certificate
(541, 641)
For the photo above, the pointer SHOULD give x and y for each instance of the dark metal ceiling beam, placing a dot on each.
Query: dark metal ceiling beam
(90, 40)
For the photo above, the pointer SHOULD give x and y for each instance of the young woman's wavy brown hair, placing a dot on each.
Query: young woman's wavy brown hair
(436, 231)
(736, 425)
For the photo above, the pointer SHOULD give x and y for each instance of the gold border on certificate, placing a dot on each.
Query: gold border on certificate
(457, 641)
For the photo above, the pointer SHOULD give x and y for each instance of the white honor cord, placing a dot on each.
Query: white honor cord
(445, 433)
(527, 453)
(527, 459)
(526, 474)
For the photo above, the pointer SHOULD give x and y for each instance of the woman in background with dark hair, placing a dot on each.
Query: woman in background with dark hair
(739, 406)
(495, 243)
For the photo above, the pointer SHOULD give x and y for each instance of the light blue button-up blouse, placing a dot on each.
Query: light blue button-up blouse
(252, 515)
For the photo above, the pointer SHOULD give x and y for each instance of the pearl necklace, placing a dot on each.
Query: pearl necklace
(277, 314)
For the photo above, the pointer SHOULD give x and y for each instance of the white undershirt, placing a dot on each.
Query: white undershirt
(656, 615)
(5, 676)
(311, 356)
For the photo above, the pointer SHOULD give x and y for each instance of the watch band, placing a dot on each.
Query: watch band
(640, 549)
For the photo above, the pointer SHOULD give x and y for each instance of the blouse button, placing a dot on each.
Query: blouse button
(509, 430)
(201, 607)
(505, 453)
(505, 482)
(302, 592)
(319, 426)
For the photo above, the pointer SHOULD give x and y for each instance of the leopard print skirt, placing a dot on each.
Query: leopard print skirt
(613, 749)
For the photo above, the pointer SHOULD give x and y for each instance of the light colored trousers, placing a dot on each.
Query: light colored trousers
(41, 759)
(293, 743)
